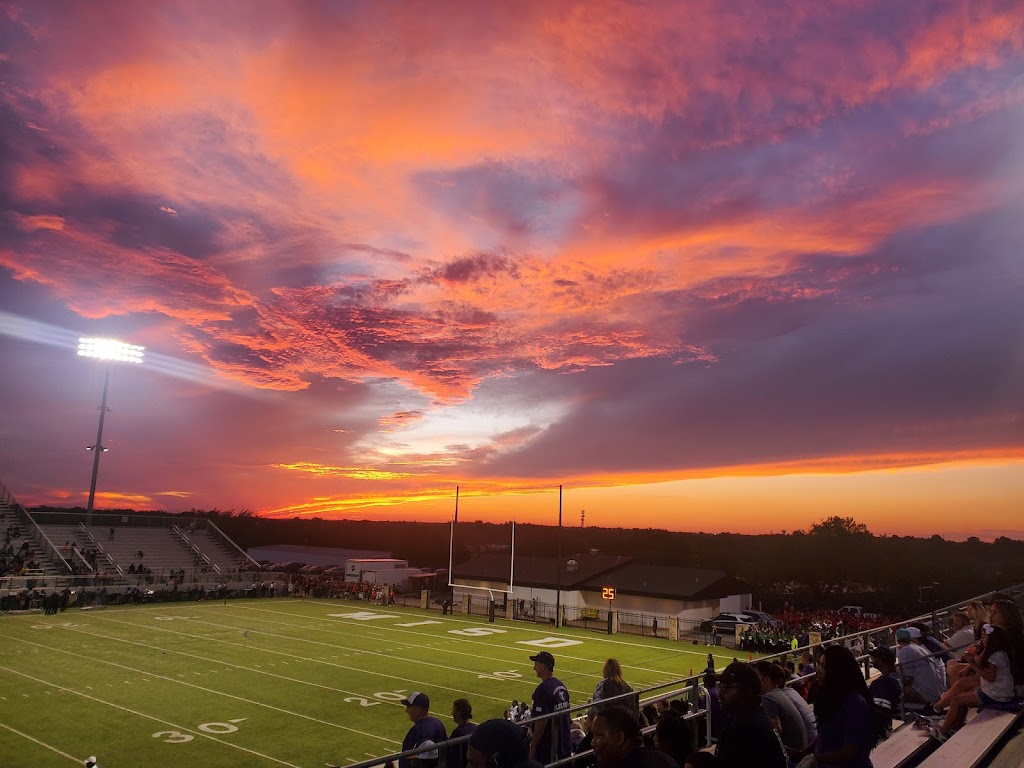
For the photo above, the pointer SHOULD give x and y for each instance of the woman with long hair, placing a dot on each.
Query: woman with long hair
(613, 684)
(992, 665)
(1005, 613)
(956, 669)
(844, 712)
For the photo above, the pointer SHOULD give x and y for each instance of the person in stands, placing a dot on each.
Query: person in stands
(781, 711)
(846, 729)
(425, 731)
(992, 665)
(462, 714)
(748, 738)
(922, 686)
(499, 744)
(550, 739)
(886, 690)
(619, 743)
(613, 684)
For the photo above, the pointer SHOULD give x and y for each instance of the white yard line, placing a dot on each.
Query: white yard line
(388, 654)
(512, 627)
(214, 661)
(181, 728)
(16, 732)
(202, 688)
(400, 678)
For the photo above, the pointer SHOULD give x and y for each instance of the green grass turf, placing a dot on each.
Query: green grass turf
(274, 682)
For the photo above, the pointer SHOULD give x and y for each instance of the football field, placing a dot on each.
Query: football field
(276, 681)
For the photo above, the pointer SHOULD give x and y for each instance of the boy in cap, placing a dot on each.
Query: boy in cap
(922, 685)
(425, 731)
(550, 740)
(886, 690)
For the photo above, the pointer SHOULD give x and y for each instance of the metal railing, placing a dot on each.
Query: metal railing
(859, 639)
(99, 548)
(231, 544)
(40, 538)
(692, 687)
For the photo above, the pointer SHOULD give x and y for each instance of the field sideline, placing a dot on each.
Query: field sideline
(276, 681)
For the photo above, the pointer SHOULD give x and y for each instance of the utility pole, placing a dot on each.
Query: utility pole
(583, 517)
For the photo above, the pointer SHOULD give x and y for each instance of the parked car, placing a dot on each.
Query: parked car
(726, 622)
(764, 619)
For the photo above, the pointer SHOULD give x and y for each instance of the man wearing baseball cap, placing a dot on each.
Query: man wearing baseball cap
(550, 740)
(425, 731)
(922, 685)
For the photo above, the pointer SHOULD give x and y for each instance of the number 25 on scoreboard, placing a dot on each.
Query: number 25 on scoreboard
(607, 593)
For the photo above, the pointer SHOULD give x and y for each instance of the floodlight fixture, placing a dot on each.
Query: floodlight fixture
(109, 351)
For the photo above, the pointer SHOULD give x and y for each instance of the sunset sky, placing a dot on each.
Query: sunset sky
(710, 266)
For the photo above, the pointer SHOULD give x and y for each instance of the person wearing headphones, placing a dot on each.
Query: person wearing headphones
(499, 743)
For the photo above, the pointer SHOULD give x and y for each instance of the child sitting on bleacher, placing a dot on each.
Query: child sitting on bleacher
(992, 664)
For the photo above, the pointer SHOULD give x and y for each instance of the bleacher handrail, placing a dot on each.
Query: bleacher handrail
(6, 497)
(100, 549)
(37, 533)
(376, 762)
(230, 543)
(85, 562)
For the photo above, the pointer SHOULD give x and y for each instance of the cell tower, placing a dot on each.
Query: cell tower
(583, 517)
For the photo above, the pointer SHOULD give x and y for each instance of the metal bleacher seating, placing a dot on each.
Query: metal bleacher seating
(37, 552)
(217, 552)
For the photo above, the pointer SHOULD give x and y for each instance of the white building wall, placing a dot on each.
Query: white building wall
(393, 576)
(736, 603)
(686, 610)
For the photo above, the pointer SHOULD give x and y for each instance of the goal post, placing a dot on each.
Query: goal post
(492, 588)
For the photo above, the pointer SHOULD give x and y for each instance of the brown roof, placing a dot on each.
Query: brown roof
(537, 571)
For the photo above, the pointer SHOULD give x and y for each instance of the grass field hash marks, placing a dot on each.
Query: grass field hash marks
(207, 690)
(148, 717)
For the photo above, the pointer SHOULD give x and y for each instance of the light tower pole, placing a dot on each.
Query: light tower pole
(108, 350)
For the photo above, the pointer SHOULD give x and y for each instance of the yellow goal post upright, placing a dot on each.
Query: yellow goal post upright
(491, 591)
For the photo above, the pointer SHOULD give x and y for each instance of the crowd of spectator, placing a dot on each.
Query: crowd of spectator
(816, 710)
(16, 554)
(332, 586)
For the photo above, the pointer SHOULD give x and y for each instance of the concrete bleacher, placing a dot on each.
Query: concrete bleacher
(45, 563)
(973, 743)
(217, 552)
(164, 548)
(162, 551)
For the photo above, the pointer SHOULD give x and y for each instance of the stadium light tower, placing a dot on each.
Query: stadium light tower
(110, 351)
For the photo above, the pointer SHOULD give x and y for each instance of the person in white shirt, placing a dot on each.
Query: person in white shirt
(922, 685)
(963, 633)
(992, 665)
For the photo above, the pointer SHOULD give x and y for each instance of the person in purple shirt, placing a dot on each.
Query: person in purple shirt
(843, 706)
(550, 740)
(425, 731)
(462, 714)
